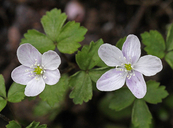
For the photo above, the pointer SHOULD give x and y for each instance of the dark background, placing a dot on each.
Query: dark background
(106, 19)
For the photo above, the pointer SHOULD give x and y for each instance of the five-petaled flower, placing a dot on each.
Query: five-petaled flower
(36, 69)
(129, 67)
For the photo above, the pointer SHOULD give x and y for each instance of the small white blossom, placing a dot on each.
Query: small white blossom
(129, 67)
(36, 69)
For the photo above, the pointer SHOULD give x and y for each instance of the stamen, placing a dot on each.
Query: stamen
(130, 74)
(36, 78)
(130, 59)
(26, 70)
(44, 77)
(31, 66)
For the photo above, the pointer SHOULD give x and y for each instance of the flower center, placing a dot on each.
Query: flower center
(128, 67)
(38, 70)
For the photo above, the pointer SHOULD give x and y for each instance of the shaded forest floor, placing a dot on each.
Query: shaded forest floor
(106, 19)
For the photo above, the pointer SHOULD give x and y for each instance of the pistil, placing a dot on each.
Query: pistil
(38, 70)
(128, 67)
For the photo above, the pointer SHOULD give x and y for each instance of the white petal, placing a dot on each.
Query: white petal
(137, 85)
(35, 87)
(111, 80)
(22, 74)
(132, 49)
(111, 55)
(51, 77)
(148, 65)
(28, 55)
(51, 60)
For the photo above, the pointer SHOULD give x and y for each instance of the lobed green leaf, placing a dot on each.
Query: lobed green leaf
(13, 124)
(66, 37)
(169, 58)
(16, 93)
(88, 57)
(82, 87)
(169, 38)
(122, 98)
(2, 87)
(52, 23)
(155, 93)
(38, 40)
(55, 93)
(69, 37)
(141, 116)
(155, 44)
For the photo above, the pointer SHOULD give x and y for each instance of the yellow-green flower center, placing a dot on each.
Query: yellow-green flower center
(128, 67)
(38, 70)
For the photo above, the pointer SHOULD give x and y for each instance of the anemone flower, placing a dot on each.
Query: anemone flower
(36, 69)
(129, 67)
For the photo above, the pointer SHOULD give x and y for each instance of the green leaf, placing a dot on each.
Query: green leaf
(33, 125)
(82, 87)
(13, 124)
(42, 126)
(155, 93)
(169, 38)
(120, 43)
(103, 106)
(163, 114)
(88, 57)
(52, 23)
(3, 103)
(101, 64)
(43, 108)
(70, 36)
(122, 98)
(155, 44)
(95, 74)
(36, 125)
(16, 93)
(168, 101)
(141, 116)
(169, 58)
(55, 93)
(38, 40)
(2, 87)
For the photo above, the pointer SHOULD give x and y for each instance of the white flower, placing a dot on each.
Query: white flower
(36, 69)
(129, 67)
